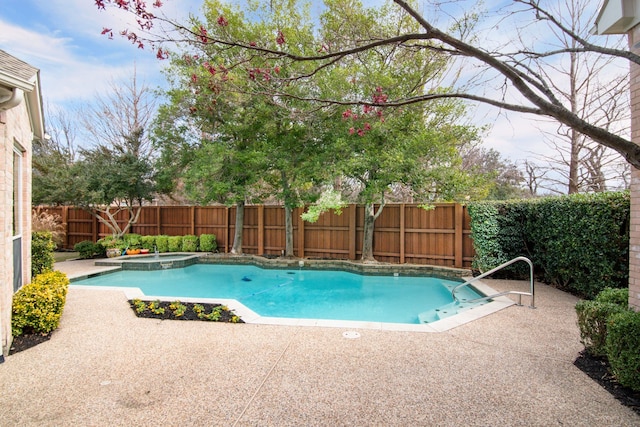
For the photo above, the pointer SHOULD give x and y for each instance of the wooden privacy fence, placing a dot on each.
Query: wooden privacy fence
(404, 233)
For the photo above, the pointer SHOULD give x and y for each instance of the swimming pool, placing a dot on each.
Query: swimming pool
(302, 294)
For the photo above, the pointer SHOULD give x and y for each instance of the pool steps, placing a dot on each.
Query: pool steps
(443, 312)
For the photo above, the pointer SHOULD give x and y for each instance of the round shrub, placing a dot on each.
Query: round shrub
(37, 306)
(592, 322)
(615, 296)
(110, 242)
(208, 243)
(162, 242)
(42, 247)
(190, 243)
(133, 240)
(148, 242)
(175, 243)
(623, 348)
(87, 249)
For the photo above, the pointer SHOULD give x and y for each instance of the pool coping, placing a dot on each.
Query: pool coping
(249, 316)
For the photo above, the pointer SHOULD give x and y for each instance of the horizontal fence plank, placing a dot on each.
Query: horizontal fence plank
(404, 233)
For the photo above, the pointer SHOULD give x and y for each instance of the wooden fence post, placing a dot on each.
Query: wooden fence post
(158, 216)
(402, 233)
(459, 221)
(353, 230)
(94, 228)
(227, 226)
(300, 234)
(193, 220)
(65, 224)
(260, 229)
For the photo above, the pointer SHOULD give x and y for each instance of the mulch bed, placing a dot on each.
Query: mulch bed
(598, 370)
(26, 341)
(189, 314)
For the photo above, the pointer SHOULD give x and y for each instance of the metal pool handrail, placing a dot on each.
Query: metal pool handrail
(501, 266)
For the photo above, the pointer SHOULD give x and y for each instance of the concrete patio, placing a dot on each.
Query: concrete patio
(105, 366)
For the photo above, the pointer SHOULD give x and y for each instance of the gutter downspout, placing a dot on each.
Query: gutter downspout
(16, 97)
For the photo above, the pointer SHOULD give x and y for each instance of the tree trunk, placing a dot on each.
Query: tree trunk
(237, 236)
(574, 159)
(288, 232)
(367, 239)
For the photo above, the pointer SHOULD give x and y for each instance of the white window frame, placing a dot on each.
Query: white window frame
(17, 187)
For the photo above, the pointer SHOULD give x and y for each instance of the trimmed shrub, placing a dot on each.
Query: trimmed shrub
(109, 242)
(37, 306)
(175, 243)
(162, 242)
(623, 348)
(208, 243)
(592, 322)
(87, 249)
(42, 247)
(190, 243)
(133, 240)
(148, 242)
(615, 296)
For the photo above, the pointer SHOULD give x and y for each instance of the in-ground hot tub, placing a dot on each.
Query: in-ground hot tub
(152, 261)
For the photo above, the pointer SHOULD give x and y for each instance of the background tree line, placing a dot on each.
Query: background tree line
(269, 105)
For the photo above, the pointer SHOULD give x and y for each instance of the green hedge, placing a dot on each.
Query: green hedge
(42, 248)
(623, 348)
(579, 243)
(37, 306)
(164, 243)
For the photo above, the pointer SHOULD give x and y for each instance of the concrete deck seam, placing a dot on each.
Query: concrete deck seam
(264, 380)
(514, 350)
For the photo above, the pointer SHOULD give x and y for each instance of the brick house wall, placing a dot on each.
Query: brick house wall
(15, 131)
(21, 123)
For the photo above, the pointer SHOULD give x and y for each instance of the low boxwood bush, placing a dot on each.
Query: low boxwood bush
(615, 296)
(109, 242)
(133, 240)
(87, 249)
(175, 243)
(37, 306)
(42, 248)
(208, 243)
(623, 348)
(592, 322)
(148, 242)
(190, 243)
(162, 242)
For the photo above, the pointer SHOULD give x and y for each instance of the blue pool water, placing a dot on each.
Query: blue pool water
(308, 294)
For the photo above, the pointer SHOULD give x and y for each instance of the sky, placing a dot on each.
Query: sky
(62, 38)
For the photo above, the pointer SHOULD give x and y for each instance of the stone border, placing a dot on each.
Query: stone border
(341, 265)
(149, 262)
